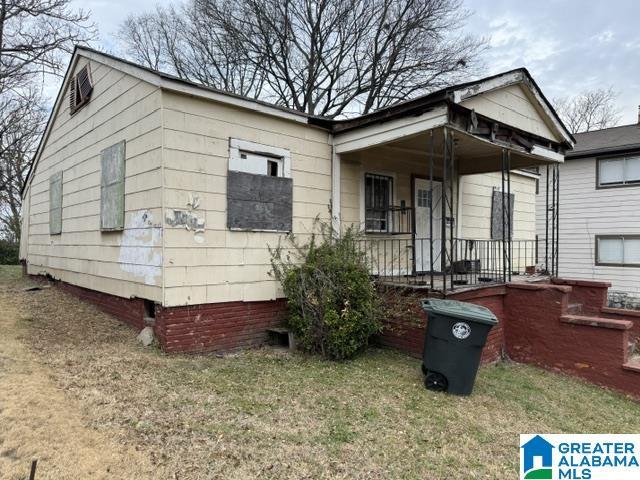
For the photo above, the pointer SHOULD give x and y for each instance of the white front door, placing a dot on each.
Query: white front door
(423, 197)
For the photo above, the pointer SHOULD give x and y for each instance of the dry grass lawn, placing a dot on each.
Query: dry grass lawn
(79, 394)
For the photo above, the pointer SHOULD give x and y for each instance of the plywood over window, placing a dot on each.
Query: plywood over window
(259, 187)
(112, 187)
(55, 204)
(499, 203)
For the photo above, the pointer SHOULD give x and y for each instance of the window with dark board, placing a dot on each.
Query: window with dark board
(259, 188)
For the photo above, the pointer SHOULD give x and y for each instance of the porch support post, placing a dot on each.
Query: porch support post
(546, 225)
(335, 192)
(509, 215)
(431, 159)
(502, 191)
(452, 219)
(553, 222)
(443, 201)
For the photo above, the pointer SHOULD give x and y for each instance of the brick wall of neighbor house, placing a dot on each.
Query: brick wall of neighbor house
(407, 334)
(128, 310)
(217, 326)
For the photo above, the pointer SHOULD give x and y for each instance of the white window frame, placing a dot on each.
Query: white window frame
(237, 147)
(598, 262)
(625, 182)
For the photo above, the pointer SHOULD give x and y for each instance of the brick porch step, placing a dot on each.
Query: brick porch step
(596, 322)
(574, 308)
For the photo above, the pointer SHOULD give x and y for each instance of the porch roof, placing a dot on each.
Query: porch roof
(410, 127)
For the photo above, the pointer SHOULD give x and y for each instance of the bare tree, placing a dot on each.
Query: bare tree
(322, 57)
(36, 36)
(589, 110)
(22, 121)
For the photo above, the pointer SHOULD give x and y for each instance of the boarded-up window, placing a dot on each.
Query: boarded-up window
(112, 187)
(259, 187)
(55, 204)
(80, 89)
(498, 221)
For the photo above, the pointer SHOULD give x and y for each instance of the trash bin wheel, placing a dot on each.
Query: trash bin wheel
(436, 381)
(424, 369)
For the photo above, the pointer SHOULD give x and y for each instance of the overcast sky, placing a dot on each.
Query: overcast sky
(567, 45)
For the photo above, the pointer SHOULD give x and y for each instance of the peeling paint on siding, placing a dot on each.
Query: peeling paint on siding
(189, 218)
(139, 251)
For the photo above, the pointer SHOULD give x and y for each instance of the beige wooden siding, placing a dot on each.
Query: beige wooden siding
(218, 265)
(512, 106)
(586, 212)
(126, 263)
(477, 192)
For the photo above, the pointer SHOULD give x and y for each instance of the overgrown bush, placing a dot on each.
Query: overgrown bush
(9, 253)
(334, 307)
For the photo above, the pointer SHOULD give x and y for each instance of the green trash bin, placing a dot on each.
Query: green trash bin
(455, 334)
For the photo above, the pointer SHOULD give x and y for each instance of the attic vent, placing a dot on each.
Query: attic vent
(80, 89)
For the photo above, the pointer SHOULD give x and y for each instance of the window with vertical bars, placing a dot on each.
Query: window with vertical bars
(378, 191)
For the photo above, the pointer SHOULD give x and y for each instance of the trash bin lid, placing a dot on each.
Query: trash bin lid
(461, 310)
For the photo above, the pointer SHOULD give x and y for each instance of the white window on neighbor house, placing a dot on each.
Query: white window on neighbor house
(258, 159)
(618, 250)
(617, 172)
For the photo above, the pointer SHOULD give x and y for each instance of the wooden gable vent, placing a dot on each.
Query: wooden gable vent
(80, 89)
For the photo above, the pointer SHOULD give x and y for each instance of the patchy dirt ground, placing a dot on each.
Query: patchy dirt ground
(79, 394)
(39, 421)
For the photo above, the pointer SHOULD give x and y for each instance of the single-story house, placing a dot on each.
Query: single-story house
(158, 198)
(599, 231)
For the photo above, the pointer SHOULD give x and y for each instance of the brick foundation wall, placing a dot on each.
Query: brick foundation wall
(128, 310)
(407, 334)
(217, 326)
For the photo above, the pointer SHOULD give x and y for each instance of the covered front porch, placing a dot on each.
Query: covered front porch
(445, 195)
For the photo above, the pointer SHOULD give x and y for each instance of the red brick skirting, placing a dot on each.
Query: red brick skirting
(129, 310)
(217, 326)
(563, 325)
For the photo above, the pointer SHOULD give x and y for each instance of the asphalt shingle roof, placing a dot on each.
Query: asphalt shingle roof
(610, 140)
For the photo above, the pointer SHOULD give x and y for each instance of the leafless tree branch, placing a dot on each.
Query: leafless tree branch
(589, 110)
(322, 57)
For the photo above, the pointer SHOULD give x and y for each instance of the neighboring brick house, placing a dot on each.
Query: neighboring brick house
(153, 196)
(599, 228)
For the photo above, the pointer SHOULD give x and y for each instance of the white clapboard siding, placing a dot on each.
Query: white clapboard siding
(477, 193)
(218, 265)
(127, 263)
(586, 212)
(512, 106)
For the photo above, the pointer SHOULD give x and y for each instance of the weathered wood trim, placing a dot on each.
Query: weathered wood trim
(378, 134)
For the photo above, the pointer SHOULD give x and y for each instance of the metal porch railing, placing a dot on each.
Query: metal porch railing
(406, 261)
